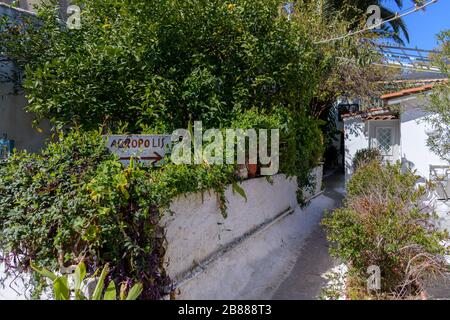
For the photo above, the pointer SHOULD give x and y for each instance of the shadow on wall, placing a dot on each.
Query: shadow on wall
(348, 167)
(414, 114)
(15, 122)
(29, 5)
(406, 164)
(355, 139)
(17, 125)
(409, 165)
(354, 128)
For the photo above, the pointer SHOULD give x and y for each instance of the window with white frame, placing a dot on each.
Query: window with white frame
(384, 140)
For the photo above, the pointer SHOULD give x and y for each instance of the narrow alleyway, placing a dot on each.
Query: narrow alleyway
(306, 278)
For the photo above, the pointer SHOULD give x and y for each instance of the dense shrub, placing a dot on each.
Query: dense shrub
(76, 202)
(383, 223)
(301, 141)
(364, 156)
(164, 63)
(152, 68)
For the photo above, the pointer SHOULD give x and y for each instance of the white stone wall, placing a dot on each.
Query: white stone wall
(255, 268)
(13, 288)
(209, 256)
(197, 229)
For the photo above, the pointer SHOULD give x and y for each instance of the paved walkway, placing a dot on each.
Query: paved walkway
(305, 280)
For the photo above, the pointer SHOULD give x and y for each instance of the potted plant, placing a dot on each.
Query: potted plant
(252, 168)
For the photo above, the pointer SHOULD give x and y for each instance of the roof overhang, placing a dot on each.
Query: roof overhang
(408, 97)
(372, 114)
(407, 92)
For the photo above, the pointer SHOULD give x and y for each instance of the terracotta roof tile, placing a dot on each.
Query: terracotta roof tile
(375, 112)
(406, 92)
(383, 117)
(365, 112)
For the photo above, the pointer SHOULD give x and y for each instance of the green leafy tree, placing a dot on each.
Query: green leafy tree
(160, 64)
(136, 66)
(439, 104)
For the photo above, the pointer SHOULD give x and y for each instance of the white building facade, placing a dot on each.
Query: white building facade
(400, 135)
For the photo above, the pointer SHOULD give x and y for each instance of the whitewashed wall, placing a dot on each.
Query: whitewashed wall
(356, 138)
(244, 255)
(205, 254)
(197, 229)
(414, 150)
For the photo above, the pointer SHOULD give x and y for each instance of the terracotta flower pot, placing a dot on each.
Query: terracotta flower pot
(252, 168)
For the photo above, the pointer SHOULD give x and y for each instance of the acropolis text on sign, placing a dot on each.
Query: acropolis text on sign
(149, 149)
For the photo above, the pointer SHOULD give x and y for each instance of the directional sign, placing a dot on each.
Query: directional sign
(149, 149)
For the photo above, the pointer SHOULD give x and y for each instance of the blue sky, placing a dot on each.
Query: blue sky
(424, 25)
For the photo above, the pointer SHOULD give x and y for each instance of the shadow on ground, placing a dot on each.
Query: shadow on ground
(306, 278)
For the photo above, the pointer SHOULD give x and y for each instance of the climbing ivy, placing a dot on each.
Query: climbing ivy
(75, 202)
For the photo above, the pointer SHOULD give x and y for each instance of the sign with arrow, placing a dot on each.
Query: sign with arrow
(148, 149)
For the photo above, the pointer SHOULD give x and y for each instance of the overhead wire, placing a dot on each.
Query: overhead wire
(393, 18)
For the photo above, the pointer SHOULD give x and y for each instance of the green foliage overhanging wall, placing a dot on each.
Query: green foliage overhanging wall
(153, 66)
(75, 202)
(147, 66)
